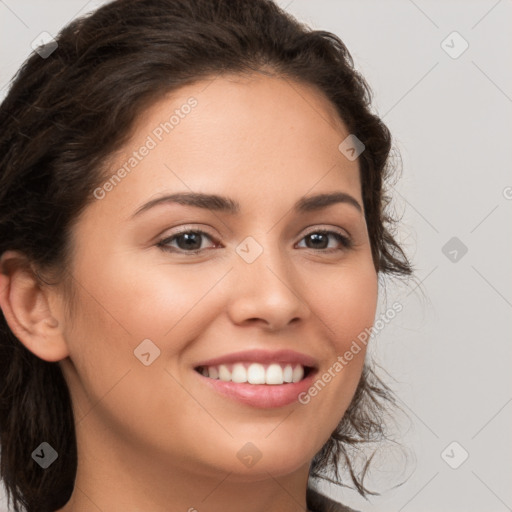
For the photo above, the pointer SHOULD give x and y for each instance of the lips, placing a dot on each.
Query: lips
(263, 357)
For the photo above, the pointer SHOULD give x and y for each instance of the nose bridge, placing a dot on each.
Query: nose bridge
(259, 253)
(266, 287)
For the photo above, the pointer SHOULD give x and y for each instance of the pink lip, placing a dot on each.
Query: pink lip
(263, 357)
(263, 396)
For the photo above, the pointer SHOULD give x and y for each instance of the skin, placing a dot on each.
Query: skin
(155, 437)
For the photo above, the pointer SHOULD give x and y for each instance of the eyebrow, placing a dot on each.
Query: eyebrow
(227, 205)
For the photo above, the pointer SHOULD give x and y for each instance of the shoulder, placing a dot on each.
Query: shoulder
(317, 502)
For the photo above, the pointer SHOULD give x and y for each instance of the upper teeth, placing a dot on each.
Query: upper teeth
(255, 373)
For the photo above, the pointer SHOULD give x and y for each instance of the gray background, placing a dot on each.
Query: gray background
(448, 353)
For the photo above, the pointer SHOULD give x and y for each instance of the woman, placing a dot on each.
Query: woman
(192, 227)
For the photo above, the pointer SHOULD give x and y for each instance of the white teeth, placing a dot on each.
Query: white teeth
(255, 373)
(239, 373)
(298, 373)
(224, 373)
(288, 373)
(274, 374)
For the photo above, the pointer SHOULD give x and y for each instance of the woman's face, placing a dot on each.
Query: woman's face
(264, 287)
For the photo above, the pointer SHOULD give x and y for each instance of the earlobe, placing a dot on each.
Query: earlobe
(26, 308)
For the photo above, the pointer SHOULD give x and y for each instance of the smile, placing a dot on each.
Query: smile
(256, 373)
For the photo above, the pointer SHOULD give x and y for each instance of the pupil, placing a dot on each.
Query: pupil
(189, 237)
(316, 237)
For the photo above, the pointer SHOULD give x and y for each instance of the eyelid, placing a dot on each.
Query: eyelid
(319, 227)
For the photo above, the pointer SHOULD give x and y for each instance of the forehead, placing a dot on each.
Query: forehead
(253, 133)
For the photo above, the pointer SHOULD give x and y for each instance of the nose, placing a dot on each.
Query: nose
(267, 291)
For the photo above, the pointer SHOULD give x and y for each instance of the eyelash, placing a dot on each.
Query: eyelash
(345, 241)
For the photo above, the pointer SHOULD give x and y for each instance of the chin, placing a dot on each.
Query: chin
(264, 469)
(255, 460)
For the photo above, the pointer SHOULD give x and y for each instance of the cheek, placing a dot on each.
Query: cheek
(347, 305)
(119, 399)
(144, 299)
(347, 308)
(120, 304)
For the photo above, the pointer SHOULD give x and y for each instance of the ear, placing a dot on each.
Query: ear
(26, 308)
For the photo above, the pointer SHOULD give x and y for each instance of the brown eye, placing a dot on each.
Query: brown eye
(319, 240)
(186, 241)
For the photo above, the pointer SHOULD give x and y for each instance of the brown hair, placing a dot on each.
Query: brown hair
(66, 114)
